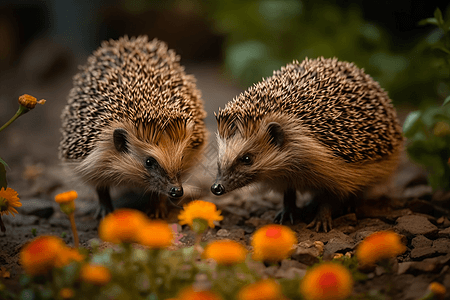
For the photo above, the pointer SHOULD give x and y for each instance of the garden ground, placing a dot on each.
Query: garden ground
(406, 205)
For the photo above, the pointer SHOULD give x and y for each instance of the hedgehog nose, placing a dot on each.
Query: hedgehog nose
(217, 189)
(176, 192)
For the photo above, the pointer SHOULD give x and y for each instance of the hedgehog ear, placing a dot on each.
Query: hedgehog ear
(120, 140)
(276, 134)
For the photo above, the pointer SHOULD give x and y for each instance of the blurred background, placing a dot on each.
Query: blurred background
(227, 44)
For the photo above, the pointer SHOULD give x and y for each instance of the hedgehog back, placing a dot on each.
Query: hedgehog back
(336, 102)
(128, 80)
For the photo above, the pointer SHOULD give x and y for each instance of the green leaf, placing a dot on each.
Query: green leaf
(431, 21)
(410, 122)
(438, 16)
(447, 100)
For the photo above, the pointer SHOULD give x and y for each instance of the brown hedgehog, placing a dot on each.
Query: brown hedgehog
(133, 118)
(322, 126)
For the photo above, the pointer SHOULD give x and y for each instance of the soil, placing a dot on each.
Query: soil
(406, 205)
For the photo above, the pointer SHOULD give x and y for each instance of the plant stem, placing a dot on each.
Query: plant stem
(74, 230)
(22, 110)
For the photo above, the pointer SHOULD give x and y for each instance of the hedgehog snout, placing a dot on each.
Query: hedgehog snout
(176, 191)
(217, 189)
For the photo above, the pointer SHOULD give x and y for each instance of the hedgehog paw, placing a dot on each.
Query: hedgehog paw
(323, 219)
(284, 215)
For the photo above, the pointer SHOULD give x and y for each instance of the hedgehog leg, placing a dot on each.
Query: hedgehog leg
(323, 218)
(105, 204)
(290, 209)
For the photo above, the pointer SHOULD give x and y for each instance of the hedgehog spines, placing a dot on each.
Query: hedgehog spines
(340, 105)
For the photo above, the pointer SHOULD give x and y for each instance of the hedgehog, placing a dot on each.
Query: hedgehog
(134, 119)
(322, 126)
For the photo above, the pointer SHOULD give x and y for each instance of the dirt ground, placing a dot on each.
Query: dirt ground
(29, 146)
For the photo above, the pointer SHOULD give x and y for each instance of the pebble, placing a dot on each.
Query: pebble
(416, 225)
(223, 233)
(307, 253)
(421, 241)
(444, 233)
(336, 245)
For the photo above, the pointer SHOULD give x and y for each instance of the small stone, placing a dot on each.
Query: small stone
(223, 233)
(37, 207)
(306, 253)
(421, 253)
(444, 233)
(336, 245)
(236, 234)
(416, 225)
(420, 241)
(441, 246)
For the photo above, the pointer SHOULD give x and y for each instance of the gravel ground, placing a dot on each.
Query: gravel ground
(407, 205)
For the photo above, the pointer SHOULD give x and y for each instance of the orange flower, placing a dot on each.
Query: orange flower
(122, 226)
(267, 289)
(66, 197)
(39, 256)
(327, 281)
(225, 252)
(66, 293)
(156, 234)
(379, 245)
(190, 293)
(29, 101)
(8, 200)
(95, 274)
(273, 243)
(66, 256)
(438, 290)
(199, 209)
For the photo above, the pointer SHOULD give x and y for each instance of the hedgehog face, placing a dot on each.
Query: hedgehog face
(248, 156)
(123, 157)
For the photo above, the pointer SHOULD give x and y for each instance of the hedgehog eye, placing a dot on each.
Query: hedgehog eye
(246, 159)
(151, 162)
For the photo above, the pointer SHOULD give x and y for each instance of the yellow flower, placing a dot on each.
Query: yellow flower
(379, 245)
(40, 255)
(156, 234)
(8, 200)
(66, 197)
(66, 256)
(66, 293)
(438, 290)
(327, 281)
(29, 101)
(190, 293)
(122, 226)
(225, 252)
(95, 274)
(273, 243)
(267, 289)
(199, 209)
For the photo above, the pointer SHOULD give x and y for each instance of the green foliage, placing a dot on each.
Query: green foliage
(264, 35)
(428, 130)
